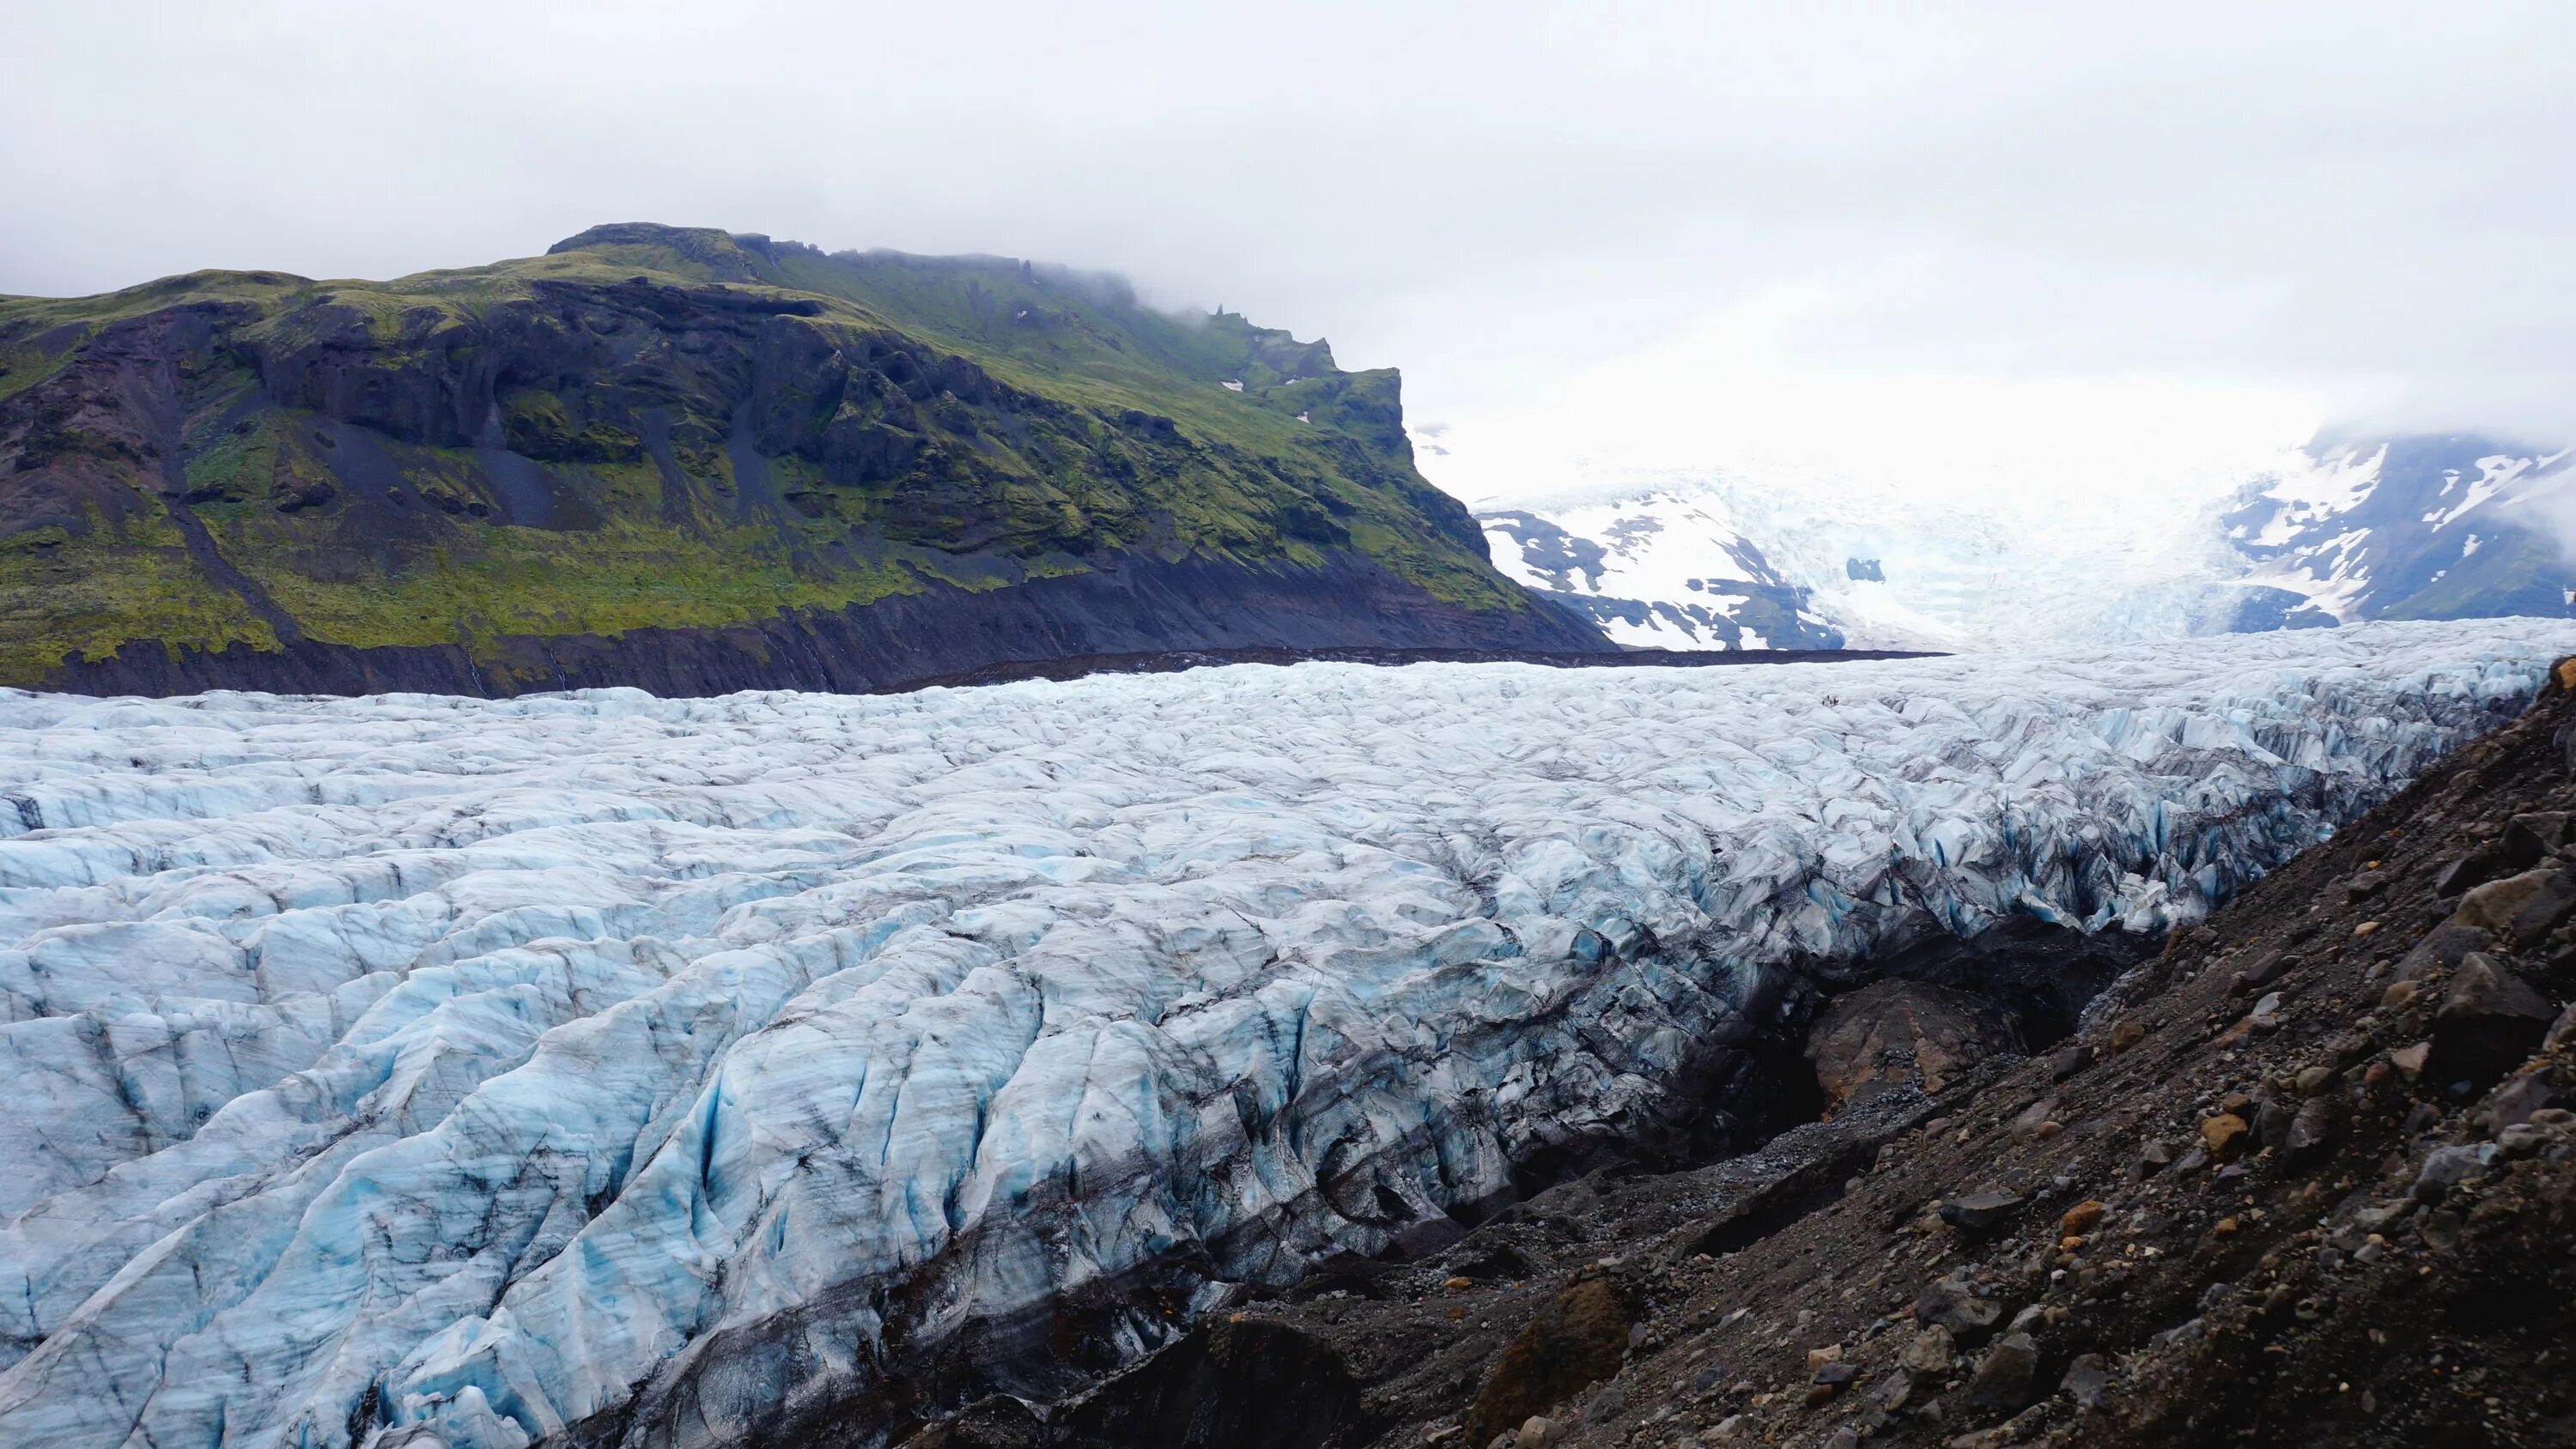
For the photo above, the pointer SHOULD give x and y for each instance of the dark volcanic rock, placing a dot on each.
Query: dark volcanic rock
(1981, 1212)
(1252, 1384)
(2444, 947)
(2529, 837)
(2004, 1374)
(1955, 1307)
(1000, 1422)
(2458, 875)
(2488, 1023)
(2265, 969)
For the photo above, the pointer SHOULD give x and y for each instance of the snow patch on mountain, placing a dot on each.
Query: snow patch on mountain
(2419, 527)
(1887, 568)
(416, 1066)
(2425, 527)
(1673, 577)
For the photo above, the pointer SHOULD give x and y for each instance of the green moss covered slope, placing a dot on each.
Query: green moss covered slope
(658, 428)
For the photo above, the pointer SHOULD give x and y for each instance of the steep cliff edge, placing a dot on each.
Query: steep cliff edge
(697, 462)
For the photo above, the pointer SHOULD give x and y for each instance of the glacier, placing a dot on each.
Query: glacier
(413, 1070)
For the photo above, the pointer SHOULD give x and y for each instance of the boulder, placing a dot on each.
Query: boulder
(1903, 1032)
(2473, 869)
(2446, 1167)
(999, 1422)
(2220, 1134)
(2527, 838)
(1968, 1318)
(2488, 1022)
(2442, 948)
(2263, 970)
(2272, 1118)
(2088, 1381)
(2499, 905)
(1980, 1212)
(1931, 1351)
(2517, 1100)
(2313, 1132)
(1575, 1340)
(2004, 1374)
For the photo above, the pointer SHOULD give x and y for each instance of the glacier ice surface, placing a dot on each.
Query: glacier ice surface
(444, 1070)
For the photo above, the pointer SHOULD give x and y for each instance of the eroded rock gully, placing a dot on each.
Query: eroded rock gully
(2306, 1177)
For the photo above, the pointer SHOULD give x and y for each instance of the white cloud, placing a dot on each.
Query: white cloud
(2154, 221)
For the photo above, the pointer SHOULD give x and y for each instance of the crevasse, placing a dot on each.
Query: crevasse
(454, 1070)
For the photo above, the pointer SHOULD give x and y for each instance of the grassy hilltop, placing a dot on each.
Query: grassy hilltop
(652, 427)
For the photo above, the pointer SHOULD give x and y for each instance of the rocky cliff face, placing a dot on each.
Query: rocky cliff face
(696, 461)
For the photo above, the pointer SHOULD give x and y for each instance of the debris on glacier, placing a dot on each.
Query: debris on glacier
(458, 1071)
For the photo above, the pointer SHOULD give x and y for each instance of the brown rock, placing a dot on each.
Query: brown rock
(2124, 1035)
(2027, 1126)
(1929, 1352)
(2081, 1217)
(1576, 1339)
(1906, 1032)
(2410, 1059)
(2221, 1133)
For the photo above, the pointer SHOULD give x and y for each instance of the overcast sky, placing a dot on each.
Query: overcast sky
(1852, 236)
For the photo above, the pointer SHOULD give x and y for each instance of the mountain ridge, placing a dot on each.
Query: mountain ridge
(2344, 530)
(481, 480)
